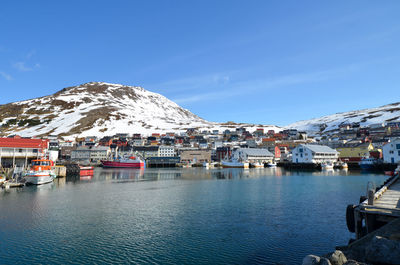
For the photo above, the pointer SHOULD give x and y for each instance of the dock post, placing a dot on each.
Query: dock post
(370, 196)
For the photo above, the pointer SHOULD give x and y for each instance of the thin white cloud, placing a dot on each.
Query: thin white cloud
(6, 76)
(244, 87)
(21, 66)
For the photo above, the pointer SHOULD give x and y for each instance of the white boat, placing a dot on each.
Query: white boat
(233, 163)
(327, 166)
(271, 164)
(41, 172)
(340, 164)
(369, 163)
(257, 164)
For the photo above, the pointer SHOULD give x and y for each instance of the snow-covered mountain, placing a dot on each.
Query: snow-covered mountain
(387, 113)
(99, 109)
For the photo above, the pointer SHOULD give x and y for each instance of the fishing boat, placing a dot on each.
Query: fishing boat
(234, 163)
(124, 162)
(41, 172)
(340, 164)
(256, 164)
(369, 163)
(86, 171)
(326, 166)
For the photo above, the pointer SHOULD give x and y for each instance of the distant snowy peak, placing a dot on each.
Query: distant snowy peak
(386, 113)
(99, 109)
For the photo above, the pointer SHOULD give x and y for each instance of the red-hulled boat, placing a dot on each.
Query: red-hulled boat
(125, 162)
(86, 171)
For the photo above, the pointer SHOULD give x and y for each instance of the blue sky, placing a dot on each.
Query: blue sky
(267, 62)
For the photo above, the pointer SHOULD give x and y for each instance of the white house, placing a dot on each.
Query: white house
(391, 151)
(253, 155)
(166, 150)
(312, 153)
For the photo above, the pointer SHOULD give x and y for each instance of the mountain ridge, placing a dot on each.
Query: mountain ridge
(100, 108)
(386, 113)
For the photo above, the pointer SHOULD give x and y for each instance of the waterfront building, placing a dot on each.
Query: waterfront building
(355, 152)
(276, 151)
(222, 152)
(195, 156)
(391, 151)
(253, 155)
(90, 154)
(17, 151)
(146, 151)
(312, 153)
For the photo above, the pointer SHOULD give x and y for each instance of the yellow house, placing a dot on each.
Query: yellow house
(355, 152)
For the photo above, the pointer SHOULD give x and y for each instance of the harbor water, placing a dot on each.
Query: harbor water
(180, 216)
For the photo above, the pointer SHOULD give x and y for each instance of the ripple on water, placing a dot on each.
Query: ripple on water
(187, 216)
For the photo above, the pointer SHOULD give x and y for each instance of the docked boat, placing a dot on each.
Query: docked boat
(327, 166)
(257, 164)
(41, 172)
(271, 164)
(124, 162)
(86, 171)
(234, 163)
(369, 163)
(341, 165)
(389, 173)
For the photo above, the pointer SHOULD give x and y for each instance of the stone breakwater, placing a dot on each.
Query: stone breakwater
(379, 247)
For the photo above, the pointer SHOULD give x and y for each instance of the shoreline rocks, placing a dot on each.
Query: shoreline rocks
(377, 250)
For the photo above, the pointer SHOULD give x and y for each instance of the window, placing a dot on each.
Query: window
(301, 150)
(398, 152)
(34, 150)
(19, 150)
(397, 146)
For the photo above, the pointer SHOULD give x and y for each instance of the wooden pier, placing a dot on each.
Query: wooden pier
(60, 171)
(378, 208)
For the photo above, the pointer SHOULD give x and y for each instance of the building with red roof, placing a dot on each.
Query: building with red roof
(19, 151)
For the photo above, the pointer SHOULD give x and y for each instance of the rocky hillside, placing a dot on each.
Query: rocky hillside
(100, 109)
(365, 117)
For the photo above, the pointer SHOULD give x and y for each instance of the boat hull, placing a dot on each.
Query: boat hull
(227, 164)
(115, 164)
(86, 171)
(37, 179)
(366, 166)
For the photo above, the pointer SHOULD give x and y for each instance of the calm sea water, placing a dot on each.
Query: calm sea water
(179, 216)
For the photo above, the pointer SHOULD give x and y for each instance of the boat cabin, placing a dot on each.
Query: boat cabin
(41, 164)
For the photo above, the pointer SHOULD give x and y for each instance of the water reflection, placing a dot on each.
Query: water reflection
(153, 174)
